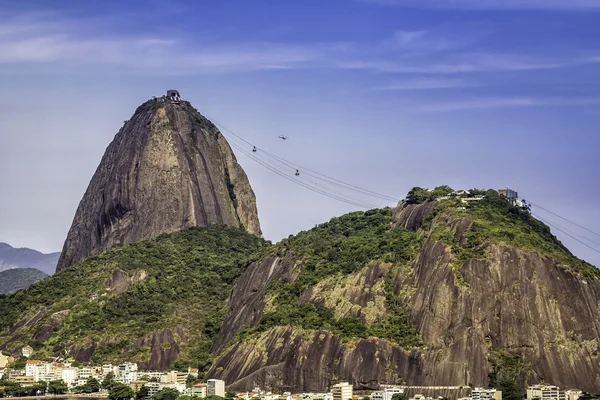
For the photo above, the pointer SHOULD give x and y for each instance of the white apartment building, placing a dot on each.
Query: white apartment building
(573, 394)
(342, 391)
(215, 387)
(36, 369)
(485, 394)
(386, 393)
(70, 375)
(86, 372)
(545, 392)
(127, 373)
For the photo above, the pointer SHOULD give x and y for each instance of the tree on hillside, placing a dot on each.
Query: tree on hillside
(418, 195)
(57, 387)
(120, 391)
(108, 381)
(142, 393)
(400, 396)
(166, 394)
(92, 385)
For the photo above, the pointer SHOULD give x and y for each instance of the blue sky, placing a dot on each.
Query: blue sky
(386, 94)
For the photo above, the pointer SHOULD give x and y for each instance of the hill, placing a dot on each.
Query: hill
(167, 169)
(11, 257)
(439, 291)
(15, 279)
(153, 302)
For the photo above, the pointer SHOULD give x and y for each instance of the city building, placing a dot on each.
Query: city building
(573, 394)
(27, 351)
(510, 194)
(485, 394)
(199, 390)
(174, 377)
(23, 380)
(215, 387)
(126, 373)
(35, 369)
(386, 393)
(342, 391)
(70, 376)
(545, 392)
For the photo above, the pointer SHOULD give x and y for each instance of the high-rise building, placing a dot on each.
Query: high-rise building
(342, 391)
(215, 387)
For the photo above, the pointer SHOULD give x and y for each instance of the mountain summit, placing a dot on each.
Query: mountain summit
(167, 169)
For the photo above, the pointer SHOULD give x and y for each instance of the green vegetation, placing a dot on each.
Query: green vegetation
(418, 195)
(91, 386)
(339, 247)
(508, 374)
(399, 396)
(185, 279)
(57, 387)
(120, 391)
(493, 219)
(166, 394)
(13, 389)
(15, 279)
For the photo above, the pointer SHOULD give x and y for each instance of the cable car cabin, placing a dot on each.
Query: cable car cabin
(173, 96)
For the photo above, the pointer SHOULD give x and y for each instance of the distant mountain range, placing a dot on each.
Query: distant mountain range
(11, 257)
(14, 279)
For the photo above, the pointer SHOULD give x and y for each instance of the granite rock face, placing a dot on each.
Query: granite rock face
(167, 169)
(513, 300)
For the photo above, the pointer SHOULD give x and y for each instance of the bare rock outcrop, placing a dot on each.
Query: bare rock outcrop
(167, 169)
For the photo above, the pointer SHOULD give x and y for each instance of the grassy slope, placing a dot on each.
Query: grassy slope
(189, 277)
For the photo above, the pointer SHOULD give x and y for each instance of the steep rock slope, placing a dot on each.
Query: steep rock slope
(167, 169)
(493, 297)
(15, 279)
(158, 302)
(11, 257)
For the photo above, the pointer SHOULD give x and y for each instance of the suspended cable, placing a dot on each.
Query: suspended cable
(283, 175)
(574, 223)
(572, 237)
(314, 174)
(571, 231)
(339, 196)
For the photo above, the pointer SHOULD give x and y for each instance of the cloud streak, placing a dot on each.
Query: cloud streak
(543, 5)
(37, 39)
(511, 102)
(428, 84)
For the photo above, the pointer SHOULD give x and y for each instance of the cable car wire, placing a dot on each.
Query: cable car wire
(572, 237)
(574, 223)
(308, 171)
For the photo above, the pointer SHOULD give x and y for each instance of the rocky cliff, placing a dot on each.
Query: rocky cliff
(431, 293)
(167, 169)
(494, 297)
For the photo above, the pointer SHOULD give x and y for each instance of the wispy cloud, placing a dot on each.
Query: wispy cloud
(40, 39)
(429, 84)
(564, 5)
(50, 38)
(511, 102)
